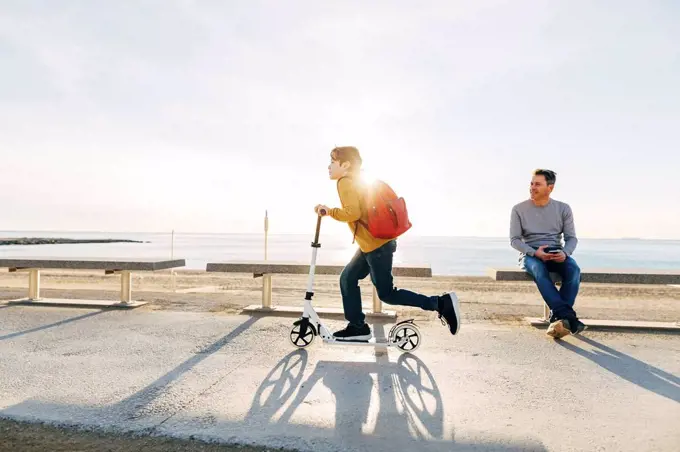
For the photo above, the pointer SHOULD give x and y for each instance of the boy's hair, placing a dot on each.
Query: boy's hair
(349, 154)
(550, 176)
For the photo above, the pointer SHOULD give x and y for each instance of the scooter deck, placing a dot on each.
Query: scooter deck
(370, 342)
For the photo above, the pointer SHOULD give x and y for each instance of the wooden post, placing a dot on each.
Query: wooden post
(377, 303)
(33, 284)
(125, 286)
(266, 233)
(267, 291)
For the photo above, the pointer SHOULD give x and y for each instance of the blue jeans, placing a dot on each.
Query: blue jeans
(560, 302)
(378, 264)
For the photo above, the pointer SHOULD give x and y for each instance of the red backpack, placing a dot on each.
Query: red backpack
(387, 213)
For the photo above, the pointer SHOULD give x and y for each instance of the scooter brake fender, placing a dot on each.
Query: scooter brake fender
(304, 324)
(390, 335)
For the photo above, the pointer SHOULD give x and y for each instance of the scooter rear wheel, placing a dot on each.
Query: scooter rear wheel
(302, 334)
(407, 337)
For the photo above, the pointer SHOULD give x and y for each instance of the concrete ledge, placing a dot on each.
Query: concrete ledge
(78, 303)
(323, 312)
(132, 264)
(616, 324)
(595, 276)
(515, 274)
(295, 268)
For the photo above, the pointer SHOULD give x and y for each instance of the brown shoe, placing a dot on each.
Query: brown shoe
(558, 329)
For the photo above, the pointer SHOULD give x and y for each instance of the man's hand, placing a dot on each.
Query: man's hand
(559, 257)
(545, 257)
(542, 255)
(321, 210)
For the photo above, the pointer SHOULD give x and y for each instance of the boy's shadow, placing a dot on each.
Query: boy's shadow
(408, 402)
(625, 366)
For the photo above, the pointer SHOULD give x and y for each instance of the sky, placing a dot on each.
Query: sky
(198, 116)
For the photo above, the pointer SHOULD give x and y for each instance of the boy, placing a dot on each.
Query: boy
(374, 256)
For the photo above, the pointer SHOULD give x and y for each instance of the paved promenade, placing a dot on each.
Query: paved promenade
(235, 378)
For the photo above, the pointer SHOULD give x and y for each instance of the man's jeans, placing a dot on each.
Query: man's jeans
(378, 264)
(560, 302)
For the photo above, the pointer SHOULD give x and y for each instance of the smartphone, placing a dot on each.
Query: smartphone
(553, 250)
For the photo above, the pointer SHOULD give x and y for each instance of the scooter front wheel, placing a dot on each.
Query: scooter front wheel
(407, 337)
(302, 334)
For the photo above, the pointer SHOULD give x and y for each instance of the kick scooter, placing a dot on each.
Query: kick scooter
(405, 335)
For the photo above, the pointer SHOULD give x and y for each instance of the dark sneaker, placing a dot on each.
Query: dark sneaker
(449, 308)
(576, 326)
(353, 333)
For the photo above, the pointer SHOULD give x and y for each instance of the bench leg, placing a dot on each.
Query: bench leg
(267, 291)
(125, 286)
(377, 302)
(34, 284)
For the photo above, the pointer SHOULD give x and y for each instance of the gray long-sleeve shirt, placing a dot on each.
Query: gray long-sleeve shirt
(532, 226)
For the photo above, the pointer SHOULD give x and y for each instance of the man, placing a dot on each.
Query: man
(536, 229)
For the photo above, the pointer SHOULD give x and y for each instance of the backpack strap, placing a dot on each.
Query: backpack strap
(359, 221)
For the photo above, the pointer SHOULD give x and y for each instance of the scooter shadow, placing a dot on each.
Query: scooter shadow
(382, 399)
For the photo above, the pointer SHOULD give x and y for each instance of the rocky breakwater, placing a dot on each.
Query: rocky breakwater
(58, 241)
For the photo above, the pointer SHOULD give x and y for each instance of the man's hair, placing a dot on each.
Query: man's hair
(349, 154)
(550, 176)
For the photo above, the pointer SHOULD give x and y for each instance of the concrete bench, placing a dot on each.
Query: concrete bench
(266, 269)
(602, 276)
(124, 267)
(611, 276)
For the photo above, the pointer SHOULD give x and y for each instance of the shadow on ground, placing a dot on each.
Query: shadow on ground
(379, 405)
(51, 325)
(625, 366)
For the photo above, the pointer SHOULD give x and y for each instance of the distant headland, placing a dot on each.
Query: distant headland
(58, 241)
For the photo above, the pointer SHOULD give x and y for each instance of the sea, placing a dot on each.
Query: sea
(452, 256)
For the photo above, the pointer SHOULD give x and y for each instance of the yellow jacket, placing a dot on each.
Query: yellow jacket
(351, 192)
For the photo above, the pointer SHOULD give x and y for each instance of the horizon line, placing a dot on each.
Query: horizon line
(305, 233)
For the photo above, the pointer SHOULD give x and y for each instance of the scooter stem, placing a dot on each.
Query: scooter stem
(315, 248)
